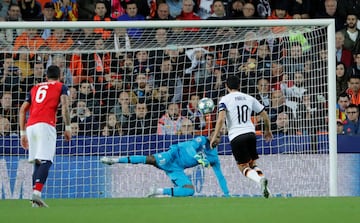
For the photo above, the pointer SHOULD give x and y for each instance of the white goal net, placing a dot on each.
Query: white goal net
(134, 90)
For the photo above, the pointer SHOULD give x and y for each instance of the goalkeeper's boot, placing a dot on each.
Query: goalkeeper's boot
(264, 187)
(152, 192)
(36, 199)
(108, 160)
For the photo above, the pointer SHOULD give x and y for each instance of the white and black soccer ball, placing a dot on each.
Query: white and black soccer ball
(206, 105)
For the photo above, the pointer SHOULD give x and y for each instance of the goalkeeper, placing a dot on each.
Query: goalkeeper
(196, 151)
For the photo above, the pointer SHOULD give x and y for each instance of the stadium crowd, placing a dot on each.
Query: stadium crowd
(156, 91)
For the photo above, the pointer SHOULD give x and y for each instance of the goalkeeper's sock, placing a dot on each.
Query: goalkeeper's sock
(41, 175)
(258, 170)
(178, 191)
(132, 159)
(251, 174)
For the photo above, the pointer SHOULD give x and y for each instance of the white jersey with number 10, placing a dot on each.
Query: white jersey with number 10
(238, 107)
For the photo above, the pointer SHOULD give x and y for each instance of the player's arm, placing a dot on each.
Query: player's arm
(220, 177)
(22, 122)
(219, 123)
(66, 116)
(267, 131)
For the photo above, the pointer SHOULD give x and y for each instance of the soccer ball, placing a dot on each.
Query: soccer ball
(206, 105)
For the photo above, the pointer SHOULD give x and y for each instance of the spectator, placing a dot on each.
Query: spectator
(165, 75)
(30, 9)
(170, 122)
(101, 15)
(65, 73)
(88, 124)
(354, 87)
(98, 63)
(66, 10)
(127, 72)
(236, 8)
(249, 47)
(187, 128)
(249, 11)
(351, 124)
(123, 109)
(280, 11)
(331, 12)
(187, 13)
(121, 39)
(264, 59)
(22, 61)
(341, 78)
(159, 102)
(342, 55)
(248, 75)
(112, 126)
(163, 12)
(74, 128)
(132, 15)
(297, 91)
(87, 94)
(116, 9)
(73, 97)
(281, 124)
(343, 101)
(48, 14)
(344, 6)
(351, 32)
(111, 88)
(8, 110)
(279, 104)
(30, 39)
(142, 63)
(233, 60)
(8, 36)
(5, 65)
(5, 129)
(142, 90)
(60, 40)
(263, 92)
(218, 10)
(215, 84)
(295, 59)
(141, 122)
(38, 76)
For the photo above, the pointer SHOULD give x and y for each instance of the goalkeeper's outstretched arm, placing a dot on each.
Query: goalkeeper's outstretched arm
(221, 178)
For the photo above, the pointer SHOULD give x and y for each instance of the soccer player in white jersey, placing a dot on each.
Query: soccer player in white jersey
(235, 108)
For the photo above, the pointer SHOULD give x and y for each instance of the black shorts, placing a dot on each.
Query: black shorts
(244, 148)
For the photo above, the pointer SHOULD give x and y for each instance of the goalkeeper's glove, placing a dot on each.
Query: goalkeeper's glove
(202, 161)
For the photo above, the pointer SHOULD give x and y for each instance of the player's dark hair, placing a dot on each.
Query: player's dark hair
(53, 72)
(233, 82)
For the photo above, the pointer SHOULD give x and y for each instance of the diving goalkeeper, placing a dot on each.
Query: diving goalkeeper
(196, 151)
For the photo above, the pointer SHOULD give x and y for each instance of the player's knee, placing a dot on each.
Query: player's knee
(150, 160)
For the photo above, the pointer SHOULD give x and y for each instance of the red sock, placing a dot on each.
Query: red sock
(38, 186)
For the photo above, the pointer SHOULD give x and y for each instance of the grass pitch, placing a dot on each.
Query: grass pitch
(186, 210)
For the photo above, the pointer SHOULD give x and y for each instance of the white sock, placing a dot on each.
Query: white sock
(252, 174)
(159, 191)
(36, 192)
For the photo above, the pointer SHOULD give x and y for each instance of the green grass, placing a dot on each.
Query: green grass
(185, 210)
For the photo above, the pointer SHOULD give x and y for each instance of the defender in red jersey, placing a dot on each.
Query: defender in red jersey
(38, 135)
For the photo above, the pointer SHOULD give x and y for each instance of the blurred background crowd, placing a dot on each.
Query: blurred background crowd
(155, 91)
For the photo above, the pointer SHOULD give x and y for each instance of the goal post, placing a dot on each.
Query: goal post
(184, 65)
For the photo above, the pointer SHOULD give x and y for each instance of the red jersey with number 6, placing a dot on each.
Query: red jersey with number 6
(44, 99)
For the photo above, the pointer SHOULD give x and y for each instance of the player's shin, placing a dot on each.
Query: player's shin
(132, 159)
(179, 191)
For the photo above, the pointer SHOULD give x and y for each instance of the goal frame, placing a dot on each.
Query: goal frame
(328, 23)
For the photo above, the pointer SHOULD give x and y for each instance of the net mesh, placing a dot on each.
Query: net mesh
(135, 91)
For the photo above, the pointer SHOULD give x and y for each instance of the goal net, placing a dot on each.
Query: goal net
(134, 90)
